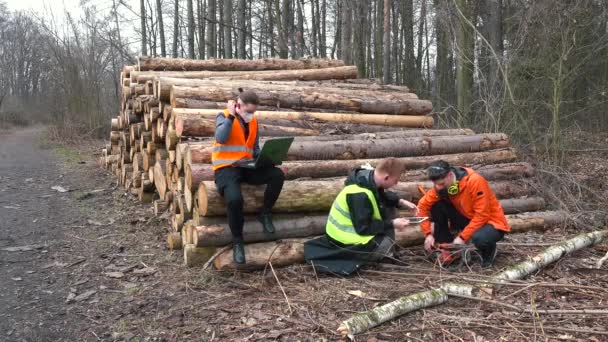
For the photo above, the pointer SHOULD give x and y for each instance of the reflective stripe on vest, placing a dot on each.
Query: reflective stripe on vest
(339, 223)
(236, 147)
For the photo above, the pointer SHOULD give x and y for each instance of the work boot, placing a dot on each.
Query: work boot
(266, 221)
(238, 252)
(487, 260)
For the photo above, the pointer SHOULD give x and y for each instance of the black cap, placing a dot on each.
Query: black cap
(438, 170)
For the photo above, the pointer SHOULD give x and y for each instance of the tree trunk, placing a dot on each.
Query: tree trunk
(338, 168)
(323, 33)
(211, 36)
(410, 74)
(466, 57)
(180, 64)
(196, 256)
(200, 10)
(189, 125)
(175, 28)
(318, 195)
(167, 79)
(387, 42)
(286, 227)
(241, 32)
(161, 28)
(291, 251)
(301, 97)
(299, 33)
(228, 28)
(341, 118)
(299, 226)
(144, 39)
(190, 10)
(346, 31)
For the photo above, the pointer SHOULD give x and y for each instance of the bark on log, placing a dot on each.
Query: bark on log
(215, 231)
(160, 206)
(196, 256)
(318, 195)
(311, 170)
(174, 241)
(309, 117)
(332, 151)
(335, 73)
(189, 125)
(404, 147)
(314, 98)
(165, 84)
(160, 182)
(291, 251)
(181, 64)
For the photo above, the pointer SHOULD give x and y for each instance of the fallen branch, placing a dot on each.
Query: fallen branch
(366, 320)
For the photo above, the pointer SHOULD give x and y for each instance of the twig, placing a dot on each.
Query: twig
(601, 261)
(518, 291)
(210, 261)
(281, 286)
(570, 312)
(512, 307)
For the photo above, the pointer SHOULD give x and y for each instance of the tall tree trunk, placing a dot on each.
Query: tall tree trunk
(347, 31)
(282, 9)
(151, 31)
(466, 51)
(443, 67)
(359, 38)
(292, 28)
(323, 33)
(250, 27)
(387, 42)
(241, 32)
(493, 32)
(190, 9)
(175, 28)
(299, 33)
(420, 53)
(221, 52)
(144, 39)
(201, 7)
(396, 39)
(378, 38)
(410, 77)
(161, 28)
(316, 20)
(336, 49)
(228, 28)
(211, 28)
(271, 35)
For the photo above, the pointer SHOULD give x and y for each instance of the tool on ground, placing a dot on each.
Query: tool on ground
(451, 256)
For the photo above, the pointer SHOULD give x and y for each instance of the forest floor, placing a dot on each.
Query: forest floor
(86, 262)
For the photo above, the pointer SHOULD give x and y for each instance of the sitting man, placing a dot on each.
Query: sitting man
(359, 228)
(462, 203)
(236, 138)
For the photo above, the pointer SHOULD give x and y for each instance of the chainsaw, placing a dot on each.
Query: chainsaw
(450, 256)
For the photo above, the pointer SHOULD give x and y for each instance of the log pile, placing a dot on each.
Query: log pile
(160, 149)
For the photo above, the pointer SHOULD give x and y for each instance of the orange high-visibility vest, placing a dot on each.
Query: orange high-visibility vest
(236, 147)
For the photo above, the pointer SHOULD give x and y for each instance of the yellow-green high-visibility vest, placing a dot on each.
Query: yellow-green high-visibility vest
(339, 223)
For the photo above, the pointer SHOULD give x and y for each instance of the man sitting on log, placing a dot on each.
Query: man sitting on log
(360, 227)
(236, 138)
(462, 204)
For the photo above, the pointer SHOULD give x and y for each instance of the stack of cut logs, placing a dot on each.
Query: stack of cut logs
(161, 141)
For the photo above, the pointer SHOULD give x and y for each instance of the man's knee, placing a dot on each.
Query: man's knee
(233, 197)
(486, 236)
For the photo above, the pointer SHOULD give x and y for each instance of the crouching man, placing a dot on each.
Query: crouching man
(359, 227)
(462, 208)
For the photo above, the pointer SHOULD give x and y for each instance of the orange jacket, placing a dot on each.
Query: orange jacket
(236, 147)
(475, 200)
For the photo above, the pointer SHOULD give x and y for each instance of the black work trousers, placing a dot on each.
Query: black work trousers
(228, 181)
(450, 222)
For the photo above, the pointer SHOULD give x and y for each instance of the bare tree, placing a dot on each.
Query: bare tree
(175, 27)
(161, 28)
(240, 29)
(387, 41)
(228, 28)
(191, 28)
(211, 28)
(201, 27)
(144, 39)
